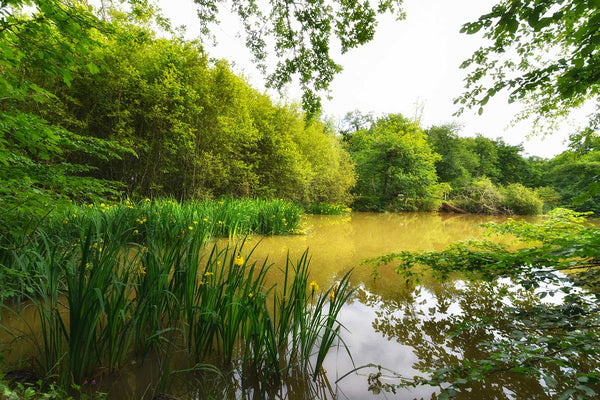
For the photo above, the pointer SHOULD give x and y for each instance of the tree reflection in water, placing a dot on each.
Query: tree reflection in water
(443, 325)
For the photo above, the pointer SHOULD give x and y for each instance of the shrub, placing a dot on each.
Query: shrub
(328, 209)
(522, 200)
(481, 196)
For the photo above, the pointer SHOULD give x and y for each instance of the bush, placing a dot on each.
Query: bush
(522, 200)
(328, 209)
(481, 196)
(549, 196)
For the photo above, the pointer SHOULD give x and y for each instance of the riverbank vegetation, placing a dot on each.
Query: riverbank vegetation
(132, 113)
(112, 283)
(124, 148)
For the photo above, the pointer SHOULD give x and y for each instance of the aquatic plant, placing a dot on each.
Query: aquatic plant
(102, 297)
(149, 220)
(328, 209)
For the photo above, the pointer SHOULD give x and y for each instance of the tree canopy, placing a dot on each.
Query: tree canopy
(301, 35)
(543, 52)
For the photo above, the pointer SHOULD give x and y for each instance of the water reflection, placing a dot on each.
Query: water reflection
(396, 324)
(418, 332)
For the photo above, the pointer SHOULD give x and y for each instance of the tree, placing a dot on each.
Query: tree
(543, 52)
(395, 165)
(37, 159)
(457, 164)
(513, 167)
(569, 172)
(197, 129)
(301, 36)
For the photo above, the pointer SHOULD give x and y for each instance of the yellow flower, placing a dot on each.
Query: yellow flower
(313, 286)
(332, 294)
(205, 219)
(147, 200)
(135, 231)
(209, 274)
(195, 222)
(143, 270)
(191, 228)
(251, 295)
(239, 260)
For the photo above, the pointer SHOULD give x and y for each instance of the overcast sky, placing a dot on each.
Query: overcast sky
(411, 64)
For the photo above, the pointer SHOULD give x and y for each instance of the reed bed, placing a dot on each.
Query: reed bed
(148, 220)
(128, 280)
(328, 209)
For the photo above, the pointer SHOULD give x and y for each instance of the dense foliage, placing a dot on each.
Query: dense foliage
(40, 162)
(115, 280)
(395, 166)
(149, 115)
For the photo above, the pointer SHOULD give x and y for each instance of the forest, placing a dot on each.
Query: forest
(137, 115)
(123, 144)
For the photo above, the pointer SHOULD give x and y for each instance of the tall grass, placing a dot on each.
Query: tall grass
(112, 282)
(147, 221)
(328, 209)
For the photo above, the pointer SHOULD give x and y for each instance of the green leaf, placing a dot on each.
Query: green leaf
(566, 394)
(550, 381)
(93, 68)
(67, 77)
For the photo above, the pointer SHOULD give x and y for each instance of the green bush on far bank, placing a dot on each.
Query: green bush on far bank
(481, 196)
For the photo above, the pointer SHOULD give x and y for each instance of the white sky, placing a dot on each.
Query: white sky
(410, 62)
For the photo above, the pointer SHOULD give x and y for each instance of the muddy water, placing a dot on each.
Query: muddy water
(401, 326)
(396, 325)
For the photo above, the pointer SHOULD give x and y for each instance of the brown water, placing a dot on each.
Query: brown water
(398, 325)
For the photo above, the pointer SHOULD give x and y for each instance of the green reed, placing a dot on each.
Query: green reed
(152, 220)
(328, 209)
(40, 285)
(115, 281)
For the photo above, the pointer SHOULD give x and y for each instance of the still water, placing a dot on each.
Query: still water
(401, 326)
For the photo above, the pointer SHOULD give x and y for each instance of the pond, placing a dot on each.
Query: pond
(390, 322)
(402, 326)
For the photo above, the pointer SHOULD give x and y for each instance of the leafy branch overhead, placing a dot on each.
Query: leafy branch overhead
(301, 34)
(543, 52)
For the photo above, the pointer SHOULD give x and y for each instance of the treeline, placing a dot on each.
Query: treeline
(176, 123)
(94, 108)
(403, 167)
